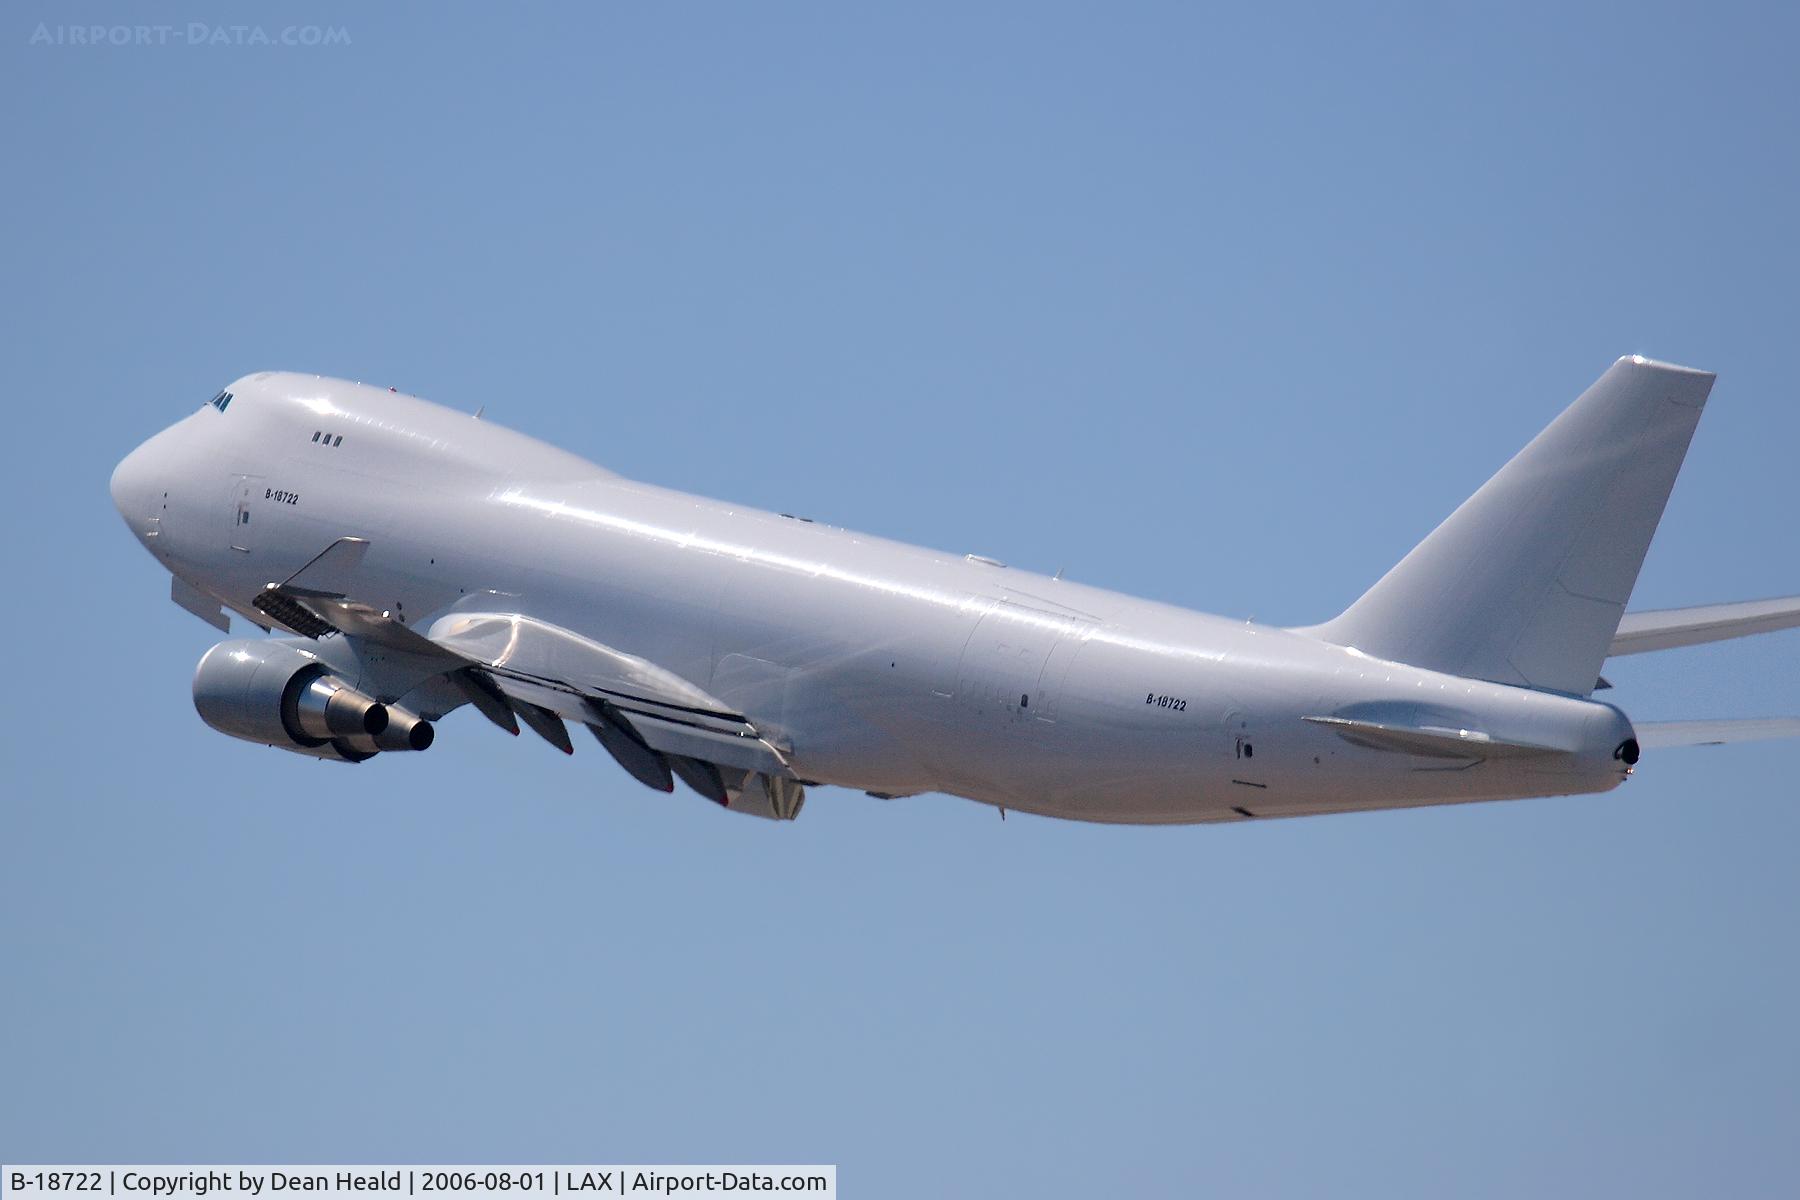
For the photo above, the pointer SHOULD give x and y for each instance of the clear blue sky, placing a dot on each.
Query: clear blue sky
(1223, 307)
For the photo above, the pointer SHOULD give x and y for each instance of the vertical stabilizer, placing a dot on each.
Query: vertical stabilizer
(1526, 582)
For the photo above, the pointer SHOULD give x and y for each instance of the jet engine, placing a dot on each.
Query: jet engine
(279, 695)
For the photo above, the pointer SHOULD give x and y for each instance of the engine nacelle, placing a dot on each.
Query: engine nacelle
(279, 695)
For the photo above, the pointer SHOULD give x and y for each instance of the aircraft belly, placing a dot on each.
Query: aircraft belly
(1129, 751)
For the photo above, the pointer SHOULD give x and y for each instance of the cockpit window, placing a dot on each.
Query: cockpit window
(221, 401)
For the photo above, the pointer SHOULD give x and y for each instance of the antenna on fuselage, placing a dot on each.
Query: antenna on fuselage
(479, 411)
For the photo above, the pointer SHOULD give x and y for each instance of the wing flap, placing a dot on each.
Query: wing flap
(627, 747)
(703, 777)
(744, 751)
(487, 698)
(546, 724)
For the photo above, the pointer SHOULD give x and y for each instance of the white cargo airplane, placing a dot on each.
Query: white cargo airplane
(420, 559)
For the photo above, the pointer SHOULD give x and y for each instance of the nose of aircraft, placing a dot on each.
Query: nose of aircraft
(133, 486)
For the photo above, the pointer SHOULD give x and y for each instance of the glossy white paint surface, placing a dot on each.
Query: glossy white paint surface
(873, 665)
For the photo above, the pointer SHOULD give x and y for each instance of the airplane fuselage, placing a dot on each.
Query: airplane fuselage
(878, 666)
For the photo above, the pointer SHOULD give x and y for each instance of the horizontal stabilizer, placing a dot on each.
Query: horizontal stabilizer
(1643, 632)
(1430, 741)
(1661, 735)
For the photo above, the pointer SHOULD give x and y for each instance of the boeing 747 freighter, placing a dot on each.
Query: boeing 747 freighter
(410, 560)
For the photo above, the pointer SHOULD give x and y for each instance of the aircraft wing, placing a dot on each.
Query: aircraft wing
(513, 668)
(1643, 632)
(543, 669)
(1661, 735)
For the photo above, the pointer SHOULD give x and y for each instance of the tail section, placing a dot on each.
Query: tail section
(1526, 582)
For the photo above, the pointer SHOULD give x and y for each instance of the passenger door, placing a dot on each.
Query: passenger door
(247, 491)
(1240, 743)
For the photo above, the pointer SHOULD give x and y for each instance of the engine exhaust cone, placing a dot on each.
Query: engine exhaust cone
(404, 731)
(325, 707)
